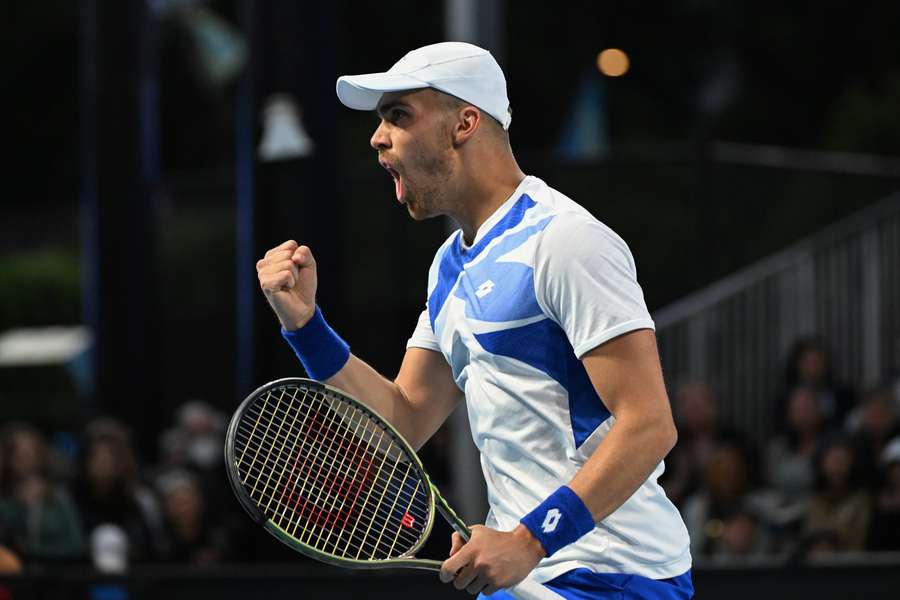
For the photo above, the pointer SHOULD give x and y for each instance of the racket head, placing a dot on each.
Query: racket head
(328, 476)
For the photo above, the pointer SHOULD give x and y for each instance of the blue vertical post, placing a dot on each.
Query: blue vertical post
(87, 83)
(148, 103)
(244, 174)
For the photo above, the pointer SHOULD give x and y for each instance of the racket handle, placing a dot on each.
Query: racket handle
(524, 590)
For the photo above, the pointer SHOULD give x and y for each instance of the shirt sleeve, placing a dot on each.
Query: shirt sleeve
(586, 281)
(423, 336)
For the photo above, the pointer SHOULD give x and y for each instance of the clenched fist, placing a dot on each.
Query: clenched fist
(287, 276)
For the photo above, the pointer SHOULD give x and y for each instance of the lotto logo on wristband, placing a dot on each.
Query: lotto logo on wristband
(551, 521)
(546, 521)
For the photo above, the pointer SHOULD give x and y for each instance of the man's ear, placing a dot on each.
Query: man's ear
(468, 120)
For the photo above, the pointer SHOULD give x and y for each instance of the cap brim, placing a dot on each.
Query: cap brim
(362, 92)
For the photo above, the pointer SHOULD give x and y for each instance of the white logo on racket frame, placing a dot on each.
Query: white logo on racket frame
(551, 520)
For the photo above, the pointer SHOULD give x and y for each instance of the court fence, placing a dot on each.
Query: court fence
(842, 284)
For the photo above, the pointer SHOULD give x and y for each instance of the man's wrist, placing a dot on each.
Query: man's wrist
(321, 351)
(529, 541)
(300, 322)
(559, 520)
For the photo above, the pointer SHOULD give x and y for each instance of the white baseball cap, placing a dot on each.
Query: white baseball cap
(463, 70)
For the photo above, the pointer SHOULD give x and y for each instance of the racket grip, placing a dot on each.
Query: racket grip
(526, 589)
(529, 589)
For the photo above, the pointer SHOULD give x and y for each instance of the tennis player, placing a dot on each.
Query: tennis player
(534, 312)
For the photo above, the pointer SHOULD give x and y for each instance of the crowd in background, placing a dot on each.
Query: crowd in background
(827, 481)
(93, 501)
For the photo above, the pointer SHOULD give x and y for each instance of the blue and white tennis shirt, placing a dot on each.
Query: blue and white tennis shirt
(542, 284)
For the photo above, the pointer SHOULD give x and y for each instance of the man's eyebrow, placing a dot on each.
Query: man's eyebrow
(387, 106)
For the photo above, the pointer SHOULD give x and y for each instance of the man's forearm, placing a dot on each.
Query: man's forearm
(377, 392)
(622, 462)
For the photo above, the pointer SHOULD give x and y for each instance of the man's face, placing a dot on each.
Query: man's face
(414, 145)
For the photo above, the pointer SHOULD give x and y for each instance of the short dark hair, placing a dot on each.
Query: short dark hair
(450, 102)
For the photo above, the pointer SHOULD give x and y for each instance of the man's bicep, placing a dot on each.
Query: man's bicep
(626, 373)
(427, 382)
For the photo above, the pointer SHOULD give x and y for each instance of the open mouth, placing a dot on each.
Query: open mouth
(398, 180)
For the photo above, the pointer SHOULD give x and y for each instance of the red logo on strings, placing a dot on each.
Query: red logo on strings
(408, 520)
(333, 482)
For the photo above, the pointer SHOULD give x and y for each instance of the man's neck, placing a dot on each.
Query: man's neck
(482, 197)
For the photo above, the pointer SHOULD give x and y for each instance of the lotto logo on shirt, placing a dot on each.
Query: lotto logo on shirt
(551, 520)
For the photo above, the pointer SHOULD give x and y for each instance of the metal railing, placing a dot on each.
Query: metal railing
(842, 283)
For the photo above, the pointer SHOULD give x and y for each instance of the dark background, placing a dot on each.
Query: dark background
(127, 166)
(807, 77)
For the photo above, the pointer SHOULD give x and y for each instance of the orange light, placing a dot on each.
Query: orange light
(612, 62)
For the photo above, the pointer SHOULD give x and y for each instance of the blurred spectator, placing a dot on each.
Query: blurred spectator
(109, 549)
(840, 511)
(194, 538)
(884, 532)
(109, 492)
(10, 564)
(726, 502)
(873, 424)
(196, 440)
(196, 444)
(38, 515)
(809, 364)
(743, 537)
(790, 457)
(699, 434)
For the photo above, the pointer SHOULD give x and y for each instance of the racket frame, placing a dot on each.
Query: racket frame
(435, 500)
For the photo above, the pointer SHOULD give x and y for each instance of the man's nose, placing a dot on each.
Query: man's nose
(380, 139)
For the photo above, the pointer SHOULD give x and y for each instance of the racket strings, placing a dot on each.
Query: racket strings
(329, 476)
(293, 531)
(278, 461)
(379, 514)
(414, 510)
(320, 464)
(302, 493)
(382, 496)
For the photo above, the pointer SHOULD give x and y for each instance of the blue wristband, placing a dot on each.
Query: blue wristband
(321, 351)
(559, 520)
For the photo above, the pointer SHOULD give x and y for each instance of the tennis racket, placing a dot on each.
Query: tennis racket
(331, 479)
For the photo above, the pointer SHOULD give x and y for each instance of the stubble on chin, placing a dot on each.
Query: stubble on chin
(427, 196)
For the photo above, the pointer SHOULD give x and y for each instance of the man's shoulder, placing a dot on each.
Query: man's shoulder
(575, 225)
(573, 228)
(569, 217)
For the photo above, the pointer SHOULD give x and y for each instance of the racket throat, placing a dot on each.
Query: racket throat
(458, 525)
